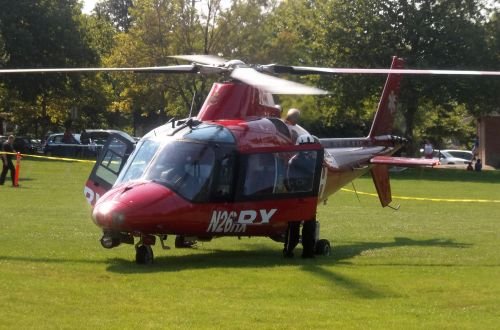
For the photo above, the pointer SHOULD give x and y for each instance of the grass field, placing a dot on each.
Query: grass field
(433, 265)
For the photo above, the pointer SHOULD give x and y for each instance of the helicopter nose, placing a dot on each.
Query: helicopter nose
(109, 214)
(133, 206)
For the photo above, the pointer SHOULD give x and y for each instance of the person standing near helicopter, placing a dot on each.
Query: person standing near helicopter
(300, 177)
(428, 149)
(7, 161)
(292, 116)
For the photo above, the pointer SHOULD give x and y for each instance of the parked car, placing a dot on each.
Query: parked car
(56, 146)
(24, 145)
(453, 157)
(37, 145)
(88, 144)
(95, 136)
(95, 140)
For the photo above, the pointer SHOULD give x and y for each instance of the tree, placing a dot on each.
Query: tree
(4, 57)
(43, 34)
(95, 91)
(445, 34)
(117, 12)
(163, 28)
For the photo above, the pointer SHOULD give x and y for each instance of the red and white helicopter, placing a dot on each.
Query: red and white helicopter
(229, 171)
(236, 169)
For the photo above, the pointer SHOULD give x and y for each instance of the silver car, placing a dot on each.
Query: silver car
(453, 157)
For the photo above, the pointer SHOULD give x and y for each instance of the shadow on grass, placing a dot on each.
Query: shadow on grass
(321, 267)
(265, 257)
(356, 287)
(26, 179)
(52, 260)
(345, 252)
(259, 257)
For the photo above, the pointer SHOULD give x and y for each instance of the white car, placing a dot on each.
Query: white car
(453, 157)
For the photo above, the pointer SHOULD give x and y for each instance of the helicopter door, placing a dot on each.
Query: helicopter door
(113, 156)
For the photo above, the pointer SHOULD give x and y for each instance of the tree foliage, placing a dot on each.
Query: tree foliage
(443, 34)
(43, 34)
(116, 12)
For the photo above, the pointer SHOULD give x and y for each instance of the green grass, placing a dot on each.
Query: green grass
(428, 265)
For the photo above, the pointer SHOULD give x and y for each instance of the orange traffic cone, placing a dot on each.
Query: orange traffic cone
(18, 168)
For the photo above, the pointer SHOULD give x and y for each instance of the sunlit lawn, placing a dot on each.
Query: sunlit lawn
(428, 265)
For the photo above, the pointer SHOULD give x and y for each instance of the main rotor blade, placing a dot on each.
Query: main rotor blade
(155, 69)
(204, 59)
(272, 84)
(303, 70)
(273, 68)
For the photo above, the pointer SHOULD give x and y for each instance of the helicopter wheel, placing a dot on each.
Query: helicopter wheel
(144, 255)
(323, 247)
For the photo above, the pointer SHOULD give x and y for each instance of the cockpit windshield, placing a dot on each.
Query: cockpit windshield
(184, 167)
(184, 162)
(141, 158)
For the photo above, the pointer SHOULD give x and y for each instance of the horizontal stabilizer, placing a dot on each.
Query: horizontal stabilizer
(403, 161)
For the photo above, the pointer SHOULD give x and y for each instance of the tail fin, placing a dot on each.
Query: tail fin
(384, 117)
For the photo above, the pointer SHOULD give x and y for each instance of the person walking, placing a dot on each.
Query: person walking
(428, 149)
(478, 166)
(7, 161)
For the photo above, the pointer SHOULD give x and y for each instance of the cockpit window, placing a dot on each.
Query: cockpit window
(141, 158)
(211, 133)
(184, 167)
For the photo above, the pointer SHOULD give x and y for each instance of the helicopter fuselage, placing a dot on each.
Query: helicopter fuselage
(232, 179)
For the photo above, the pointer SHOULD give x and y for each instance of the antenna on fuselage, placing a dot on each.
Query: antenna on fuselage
(356, 192)
(192, 105)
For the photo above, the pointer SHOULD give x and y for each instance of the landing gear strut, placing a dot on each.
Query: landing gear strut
(312, 244)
